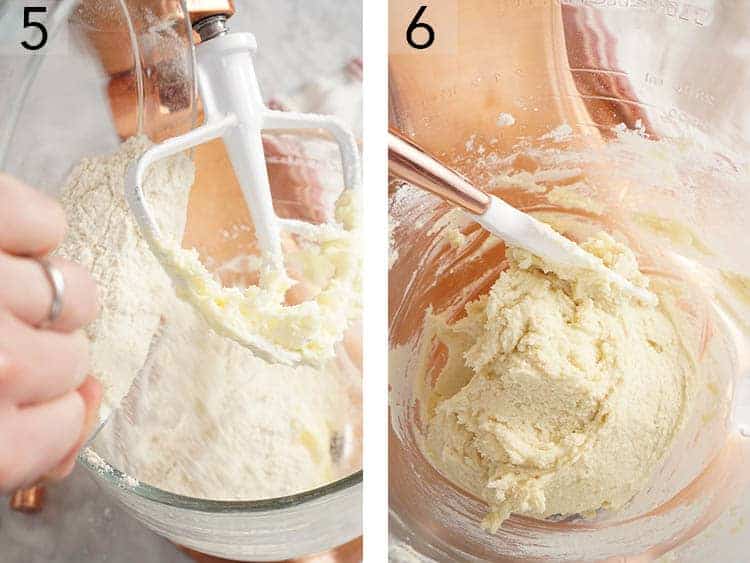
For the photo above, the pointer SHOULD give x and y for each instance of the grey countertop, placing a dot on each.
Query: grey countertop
(298, 42)
(80, 524)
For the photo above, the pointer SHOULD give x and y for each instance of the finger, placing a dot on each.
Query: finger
(38, 365)
(91, 393)
(27, 293)
(31, 223)
(35, 439)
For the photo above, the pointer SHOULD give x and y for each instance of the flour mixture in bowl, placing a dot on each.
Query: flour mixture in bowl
(190, 411)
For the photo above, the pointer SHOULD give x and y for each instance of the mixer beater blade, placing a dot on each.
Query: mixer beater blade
(235, 112)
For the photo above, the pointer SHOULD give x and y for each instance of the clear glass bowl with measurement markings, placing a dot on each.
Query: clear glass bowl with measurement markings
(112, 69)
(673, 74)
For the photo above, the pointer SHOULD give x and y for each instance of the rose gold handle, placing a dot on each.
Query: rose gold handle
(30, 499)
(410, 163)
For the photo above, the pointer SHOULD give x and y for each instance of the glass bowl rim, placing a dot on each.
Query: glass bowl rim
(113, 476)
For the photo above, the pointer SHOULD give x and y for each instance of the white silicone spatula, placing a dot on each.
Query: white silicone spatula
(410, 163)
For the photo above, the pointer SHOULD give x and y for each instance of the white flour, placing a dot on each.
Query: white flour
(204, 417)
(207, 419)
(505, 120)
(104, 238)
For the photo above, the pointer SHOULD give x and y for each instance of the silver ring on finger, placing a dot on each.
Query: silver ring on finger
(57, 285)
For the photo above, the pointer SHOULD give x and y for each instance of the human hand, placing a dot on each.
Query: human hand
(48, 402)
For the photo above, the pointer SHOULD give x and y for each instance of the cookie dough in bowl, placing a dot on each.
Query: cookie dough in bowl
(545, 415)
(569, 393)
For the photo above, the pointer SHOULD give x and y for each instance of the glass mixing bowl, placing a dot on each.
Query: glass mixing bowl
(113, 69)
(672, 181)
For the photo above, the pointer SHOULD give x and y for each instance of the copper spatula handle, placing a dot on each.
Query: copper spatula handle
(407, 161)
